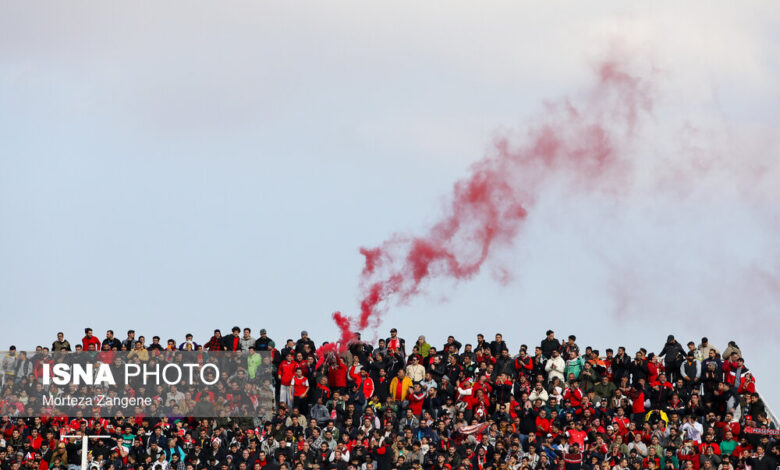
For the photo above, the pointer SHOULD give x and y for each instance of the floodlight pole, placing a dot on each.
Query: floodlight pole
(84, 446)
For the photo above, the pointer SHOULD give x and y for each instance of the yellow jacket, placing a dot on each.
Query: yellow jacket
(405, 386)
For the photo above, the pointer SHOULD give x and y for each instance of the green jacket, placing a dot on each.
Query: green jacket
(252, 363)
(605, 391)
(574, 366)
(673, 459)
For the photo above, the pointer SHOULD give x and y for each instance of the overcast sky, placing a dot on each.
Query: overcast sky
(175, 167)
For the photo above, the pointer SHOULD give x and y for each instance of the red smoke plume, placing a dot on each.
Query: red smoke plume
(488, 208)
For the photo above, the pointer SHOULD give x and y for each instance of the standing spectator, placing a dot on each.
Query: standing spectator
(732, 348)
(264, 343)
(569, 346)
(498, 345)
(396, 344)
(713, 357)
(621, 365)
(247, 340)
(550, 344)
(300, 345)
(300, 389)
(61, 344)
(337, 374)
(215, 343)
(232, 342)
(111, 342)
(762, 461)
(285, 375)
(690, 372)
(189, 344)
(155, 346)
(422, 346)
(673, 355)
(89, 340)
(523, 364)
(638, 368)
(9, 365)
(129, 342)
(366, 384)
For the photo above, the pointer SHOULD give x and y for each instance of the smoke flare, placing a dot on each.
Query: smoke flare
(488, 208)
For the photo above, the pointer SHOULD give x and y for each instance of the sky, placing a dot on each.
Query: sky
(181, 166)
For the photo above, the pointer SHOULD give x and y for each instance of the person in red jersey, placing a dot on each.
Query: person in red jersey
(90, 341)
(300, 388)
(366, 384)
(286, 374)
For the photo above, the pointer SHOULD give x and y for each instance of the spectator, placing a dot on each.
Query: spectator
(732, 348)
(189, 344)
(129, 342)
(574, 365)
(264, 343)
(415, 371)
(555, 366)
(247, 340)
(89, 342)
(300, 345)
(155, 346)
(111, 342)
(570, 346)
(61, 344)
(550, 344)
(457, 409)
(422, 346)
(673, 355)
(497, 345)
(215, 343)
(232, 342)
(396, 344)
(399, 386)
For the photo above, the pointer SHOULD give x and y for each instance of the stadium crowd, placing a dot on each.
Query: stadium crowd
(400, 406)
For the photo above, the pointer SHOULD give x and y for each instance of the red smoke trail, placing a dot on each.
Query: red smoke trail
(489, 207)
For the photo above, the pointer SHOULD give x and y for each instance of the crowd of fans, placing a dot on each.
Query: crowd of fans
(396, 406)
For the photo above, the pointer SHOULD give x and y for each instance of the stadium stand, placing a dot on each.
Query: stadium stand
(396, 406)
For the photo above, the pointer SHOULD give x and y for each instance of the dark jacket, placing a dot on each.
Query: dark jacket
(764, 463)
(229, 343)
(620, 367)
(112, 343)
(672, 353)
(550, 345)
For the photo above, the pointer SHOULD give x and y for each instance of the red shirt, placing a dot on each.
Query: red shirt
(300, 384)
(416, 402)
(87, 341)
(394, 344)
(368, 387)
(337, 375)
(542, 425)
(577, 437)
(287, 371)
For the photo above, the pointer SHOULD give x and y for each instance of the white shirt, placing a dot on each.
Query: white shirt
(694, 431)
